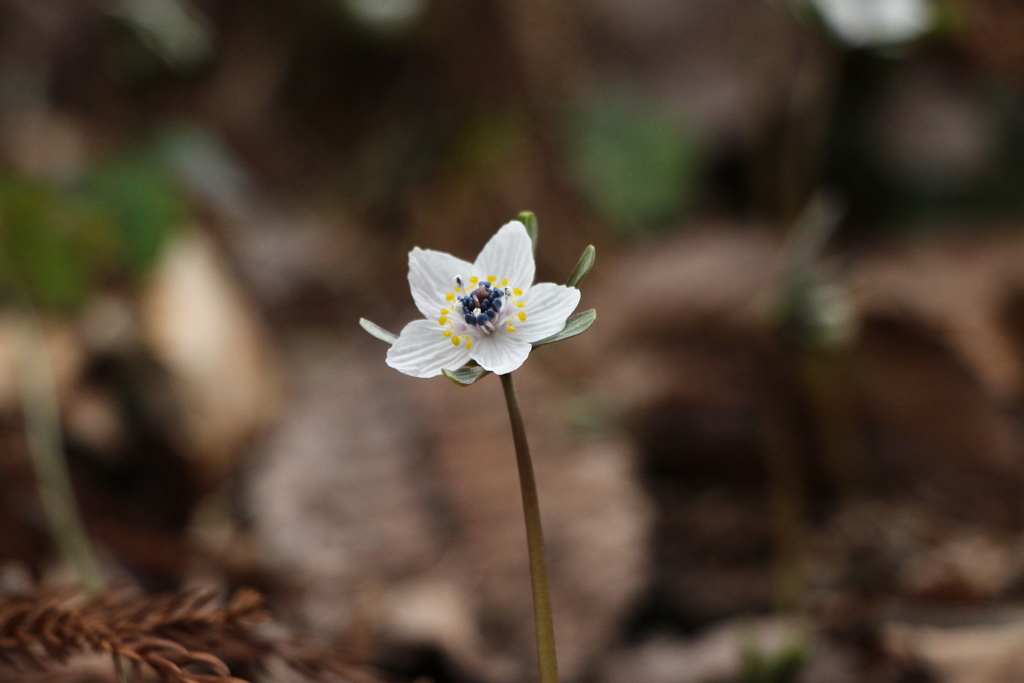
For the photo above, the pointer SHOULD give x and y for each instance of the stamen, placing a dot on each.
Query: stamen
(485, 304)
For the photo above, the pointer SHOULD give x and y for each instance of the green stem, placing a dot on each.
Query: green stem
(38, 392)
(46, 450)
(534, 539)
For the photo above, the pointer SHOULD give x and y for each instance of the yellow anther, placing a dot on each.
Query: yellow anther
(450, 296)
(520, 304)
(510, 328)
(517, 291)
(504, 282)
(455, 340)
(442, 320)
(492, 278)
(447, 333)
(469, 344)
(522, 315)
(445, 311)
(474, 279)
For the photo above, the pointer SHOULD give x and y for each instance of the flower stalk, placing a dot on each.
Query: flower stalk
(38, 393)
(46, 451)
(485, 317)
(534, 539)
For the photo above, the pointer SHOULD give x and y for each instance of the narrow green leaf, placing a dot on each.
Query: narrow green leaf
(530, 221)
(378, 331)
(583, 267)
(577, 324)
(466, 375)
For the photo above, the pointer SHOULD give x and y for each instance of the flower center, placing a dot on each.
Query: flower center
(479, 308)
(482, 305)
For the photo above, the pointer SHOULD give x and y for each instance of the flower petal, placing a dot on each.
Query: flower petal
(422, 350)
(432, 276)
(547, 307)
(500, 352)
(509, 254)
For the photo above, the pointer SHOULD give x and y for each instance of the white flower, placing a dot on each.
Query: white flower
(877, 23)
(488, 311)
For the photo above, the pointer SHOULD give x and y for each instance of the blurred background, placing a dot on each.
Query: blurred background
(790, 449)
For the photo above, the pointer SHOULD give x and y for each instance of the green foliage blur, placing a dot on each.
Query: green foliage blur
(781, 667)
(637, 165)
(59, 242)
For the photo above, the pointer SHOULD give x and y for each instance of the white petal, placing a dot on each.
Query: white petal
(547, 307)
(432, 276)
(422, 350)
(501, 352)
(509, 254)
